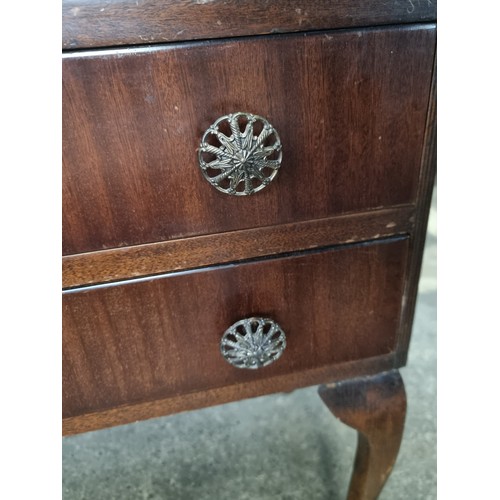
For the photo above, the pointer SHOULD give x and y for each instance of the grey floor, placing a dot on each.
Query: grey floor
(286, 446)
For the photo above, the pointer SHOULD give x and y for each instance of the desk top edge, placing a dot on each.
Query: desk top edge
(111, 23)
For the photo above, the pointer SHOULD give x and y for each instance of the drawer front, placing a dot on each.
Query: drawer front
(349, 107)
(160, 338)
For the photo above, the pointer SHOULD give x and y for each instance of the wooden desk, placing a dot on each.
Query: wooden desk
(225, 175)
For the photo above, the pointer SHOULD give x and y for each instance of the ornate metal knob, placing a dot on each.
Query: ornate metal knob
(253, 343)
(240, 154)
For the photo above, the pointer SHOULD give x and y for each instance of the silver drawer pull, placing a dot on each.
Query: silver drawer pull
(240, 154)
(253, 343)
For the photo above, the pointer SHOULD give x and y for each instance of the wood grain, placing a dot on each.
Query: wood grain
(417, 242)
(143, 260)
(376, 407)
(140, 341)
(125, 414)
(101, 23)
(350, 108)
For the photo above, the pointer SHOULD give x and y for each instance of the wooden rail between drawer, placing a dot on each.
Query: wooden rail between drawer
(187, 253)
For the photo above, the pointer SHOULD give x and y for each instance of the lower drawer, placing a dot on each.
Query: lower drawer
(158, 338)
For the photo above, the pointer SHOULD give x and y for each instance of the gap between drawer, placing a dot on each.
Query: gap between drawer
(151, 259)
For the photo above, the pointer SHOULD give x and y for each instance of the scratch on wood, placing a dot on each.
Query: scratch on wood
(411, 7)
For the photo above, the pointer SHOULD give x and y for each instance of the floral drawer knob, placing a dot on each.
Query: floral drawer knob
(240, 154)
(253, 343)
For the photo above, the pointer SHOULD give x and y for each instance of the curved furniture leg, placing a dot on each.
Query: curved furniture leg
(376, 408)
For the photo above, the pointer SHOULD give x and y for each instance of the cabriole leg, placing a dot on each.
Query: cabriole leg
(376, 407)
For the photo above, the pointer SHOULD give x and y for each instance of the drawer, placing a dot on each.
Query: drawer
(151, 339)
(349, 108)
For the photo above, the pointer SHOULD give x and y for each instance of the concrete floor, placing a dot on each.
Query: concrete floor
(285, 446)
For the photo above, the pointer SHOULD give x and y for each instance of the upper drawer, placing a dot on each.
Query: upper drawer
(349, 107)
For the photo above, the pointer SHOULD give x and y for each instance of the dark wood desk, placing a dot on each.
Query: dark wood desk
(245, 196)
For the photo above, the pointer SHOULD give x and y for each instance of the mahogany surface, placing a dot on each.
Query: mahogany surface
(159, 338)
(419, 231)
(124, 414)
(350, 108)
(101, 23)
